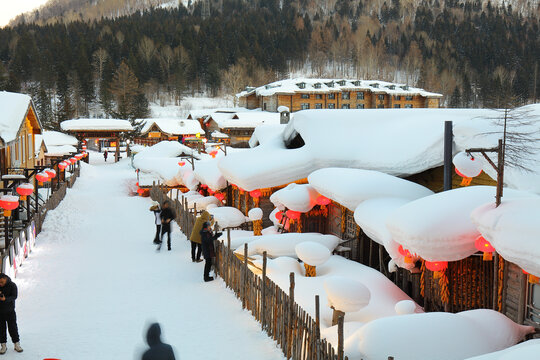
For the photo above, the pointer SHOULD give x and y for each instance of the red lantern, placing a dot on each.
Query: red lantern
(293, 215)
(436, 266)
(42, 177)
(213, 153)
(408, 257)
(211, 192)
(181, 163)
(62, 165)
(219, 196)
(204, 186)
(279, 215)
(51, 173)
(481, 244)
(24, 190)
(73, 160)
(255, 194)
(140, 191)
(79, 156)
(322, 200)
(8, 203)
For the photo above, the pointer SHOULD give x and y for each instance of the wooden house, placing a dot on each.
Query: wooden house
(57, 145)
(156, 130)
(40, 150)
(19, 125)
(304, 94)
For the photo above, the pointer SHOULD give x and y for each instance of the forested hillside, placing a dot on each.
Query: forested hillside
(473, 54)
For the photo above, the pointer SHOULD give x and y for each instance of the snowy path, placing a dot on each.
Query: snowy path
(95, 281)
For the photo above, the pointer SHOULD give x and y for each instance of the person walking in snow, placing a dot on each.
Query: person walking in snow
(207, 240)
(158, 350)
(167, 215)
(156, 210)
(195, 236)
(105, 154)
(8, 294)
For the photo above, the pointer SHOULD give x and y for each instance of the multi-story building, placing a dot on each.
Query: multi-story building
(303, 94)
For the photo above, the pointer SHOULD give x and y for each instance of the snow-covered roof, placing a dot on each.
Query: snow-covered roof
(246, 119)
(201, 113)
(512, 229)
(295, 197)
(13, 107)
(38, 140)
(96, 125)
(305, 85)
(60, 150)
(56, 138)
(219, 135)
(265, 132)
(439, 227)
(172, 126)
(394, 141)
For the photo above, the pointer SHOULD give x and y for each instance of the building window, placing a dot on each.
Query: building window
(397, 97)
(304, 106)
(345, 106)
(408, 106)
(317, 85)
(359, 106)
(397, 106)
(301, 85)
(345, 95)
(331, 106)
(318, 106)
(408, 97)
(318, 96)
(31, 146)
(360, 95)
(380, 106)
(381, 97)
(305, 96)
(332, 95)
(533, 303)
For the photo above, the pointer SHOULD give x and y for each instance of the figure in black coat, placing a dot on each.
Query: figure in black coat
(8, 294)
(207, 240)
(158, 350)
(167, 215)
(105, 153)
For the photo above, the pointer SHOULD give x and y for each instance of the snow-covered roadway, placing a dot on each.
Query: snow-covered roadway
(95, 282)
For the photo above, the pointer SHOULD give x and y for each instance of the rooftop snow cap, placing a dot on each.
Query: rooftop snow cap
(153, 335)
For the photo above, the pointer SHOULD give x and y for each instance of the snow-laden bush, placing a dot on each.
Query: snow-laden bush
(345, 294)
(312, 253)
(255, 214)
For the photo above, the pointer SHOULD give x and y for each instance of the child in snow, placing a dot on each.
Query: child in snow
(157, 214)
(207, 239)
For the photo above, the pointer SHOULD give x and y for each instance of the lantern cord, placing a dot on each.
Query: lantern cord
(443, 284)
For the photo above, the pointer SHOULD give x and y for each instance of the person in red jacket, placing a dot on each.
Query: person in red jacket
(8, 294)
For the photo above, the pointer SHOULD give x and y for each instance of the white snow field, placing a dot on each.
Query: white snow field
(95, 282)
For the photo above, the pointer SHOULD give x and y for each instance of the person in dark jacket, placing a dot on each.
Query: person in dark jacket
(105, 154)
(8, 294)
(158, 350)
(207, 240)
(167, 215)
(157, 214)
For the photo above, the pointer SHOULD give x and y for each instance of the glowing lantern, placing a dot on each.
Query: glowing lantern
(42, 177)
(481, 244)
(198, 135)
(213, 153)
(279, 216)
(322, 200)
(181, 163)
(140, 191)
(211, 192)
(62, 165)
(24, 190)
(73, 160)
(204, 186)
(51, 173)
(8, 203)
(241, 190)
(407, 256)
(220, 196)
(255, 194)
(437, 267)
(467, 167)
(534, 279)
(293, 215)
(79, 156)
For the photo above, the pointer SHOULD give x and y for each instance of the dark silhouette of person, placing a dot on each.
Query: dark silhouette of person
(158, 350)
(105, 154)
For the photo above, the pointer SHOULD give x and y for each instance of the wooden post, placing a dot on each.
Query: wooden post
(263, 292)
(244, 280)
(290, 319)
(495, 280)
(340, 336)
(500, 173)
(448, 140)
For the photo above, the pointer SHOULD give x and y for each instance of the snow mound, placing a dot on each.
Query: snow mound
(438, 227)
(227, 216)
(285, 244)
(512, 229)
(405, 307)
(441, 336)
(205, 201)
(346, 294)
(295, 197)
(526, 350)
(312, 253)
(255, 214)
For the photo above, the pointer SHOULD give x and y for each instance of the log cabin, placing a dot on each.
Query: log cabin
(156, 130)
(303, 94)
